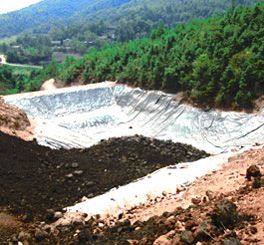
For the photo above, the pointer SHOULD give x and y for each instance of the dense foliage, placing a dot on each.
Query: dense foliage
(219, 61)
(135, 18)
(92, 23)
(21, 79)
(28, 50)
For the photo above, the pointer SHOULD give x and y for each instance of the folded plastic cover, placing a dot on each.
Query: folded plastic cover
(82, 116)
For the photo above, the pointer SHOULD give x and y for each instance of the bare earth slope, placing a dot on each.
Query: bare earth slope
(14, 121)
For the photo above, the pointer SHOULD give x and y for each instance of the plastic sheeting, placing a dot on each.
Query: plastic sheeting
(134, 193)
(82, 116)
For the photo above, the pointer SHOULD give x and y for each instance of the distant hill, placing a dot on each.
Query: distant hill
(50, 11)
(130, 17)
(54, 29)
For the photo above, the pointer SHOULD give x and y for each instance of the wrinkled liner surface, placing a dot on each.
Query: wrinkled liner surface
(79, 117)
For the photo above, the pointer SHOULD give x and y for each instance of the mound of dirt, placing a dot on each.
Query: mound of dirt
(14, 121)
(35, 178)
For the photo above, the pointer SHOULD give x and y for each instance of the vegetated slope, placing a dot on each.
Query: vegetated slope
(48, 11)
(55, 29)
(15, 79)
(217, 61)
(138, 17)
(130, 17)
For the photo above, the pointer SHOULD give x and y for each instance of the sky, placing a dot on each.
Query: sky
(10, 5)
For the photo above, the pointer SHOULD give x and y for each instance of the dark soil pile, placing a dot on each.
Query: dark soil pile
(35, 178)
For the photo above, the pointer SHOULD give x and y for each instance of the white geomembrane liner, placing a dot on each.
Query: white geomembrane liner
(79, 117)
(82, 116)
(151, 186)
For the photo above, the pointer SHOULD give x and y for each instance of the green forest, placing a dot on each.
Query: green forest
(143, 14)
(51, 29)
(218, 61)
(14, 79)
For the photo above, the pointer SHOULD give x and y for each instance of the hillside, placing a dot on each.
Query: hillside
(119, 12)
(217, 61)
(49, 11)
(178, 162)
(14, 121)
(53, 29)
(137, 18)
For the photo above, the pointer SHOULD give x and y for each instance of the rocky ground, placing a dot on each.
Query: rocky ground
(36, 181)
(229, 178)
(225, 207)
(231, 218)
(231, 214)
